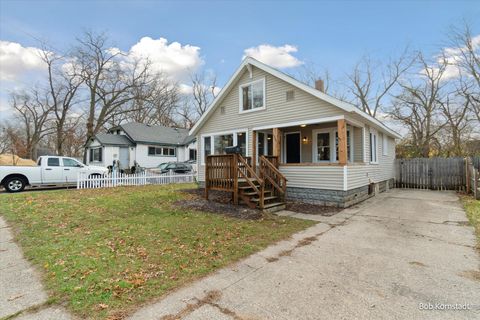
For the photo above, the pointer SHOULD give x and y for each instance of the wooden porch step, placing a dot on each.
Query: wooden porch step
(245, 180)
(274, 207)
(265, 198)
(253, 193)
(245, 187)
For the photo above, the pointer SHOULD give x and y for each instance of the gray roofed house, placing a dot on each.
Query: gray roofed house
(113, 139)
(147, 145)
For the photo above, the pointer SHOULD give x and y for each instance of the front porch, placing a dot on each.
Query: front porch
(331, 143)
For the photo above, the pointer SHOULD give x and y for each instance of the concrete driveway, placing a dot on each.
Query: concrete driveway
(391, 257)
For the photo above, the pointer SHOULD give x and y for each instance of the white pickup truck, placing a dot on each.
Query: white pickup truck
(50, 171)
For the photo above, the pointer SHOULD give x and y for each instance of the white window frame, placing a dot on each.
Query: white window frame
(333, 147)
(93, 149)
(265, 144)
(384, 144)
(315, 142)
(162, 155)
(212, 141)
(240, 96)
(373, 150)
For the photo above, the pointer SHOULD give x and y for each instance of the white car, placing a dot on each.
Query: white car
(50, 171)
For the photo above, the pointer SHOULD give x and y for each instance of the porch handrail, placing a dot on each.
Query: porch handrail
(252, 173)
(275, 177)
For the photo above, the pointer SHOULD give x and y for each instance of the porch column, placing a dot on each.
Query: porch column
(277, 142)
(342, 141)
(254, 150)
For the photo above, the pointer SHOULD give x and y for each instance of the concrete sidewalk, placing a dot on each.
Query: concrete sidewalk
(21, 292)
(386, 258)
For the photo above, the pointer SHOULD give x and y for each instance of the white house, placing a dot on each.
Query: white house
(330, 151)
(148, 145)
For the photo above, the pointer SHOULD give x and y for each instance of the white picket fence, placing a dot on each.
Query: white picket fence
(115, 179)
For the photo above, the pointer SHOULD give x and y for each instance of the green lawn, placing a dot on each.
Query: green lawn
(105, 252)
(472, 207)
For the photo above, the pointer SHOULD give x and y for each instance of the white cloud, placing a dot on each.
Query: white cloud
(453, 58)
(17, 61)
(278, 57)
(188, 89)
(175, 60)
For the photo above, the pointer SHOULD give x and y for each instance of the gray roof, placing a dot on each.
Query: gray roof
(142, 133)
(113, 139)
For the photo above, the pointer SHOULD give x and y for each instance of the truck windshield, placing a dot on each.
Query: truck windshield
(39, 162)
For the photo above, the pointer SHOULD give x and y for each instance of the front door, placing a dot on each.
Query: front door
(292, 147)
(124, 158)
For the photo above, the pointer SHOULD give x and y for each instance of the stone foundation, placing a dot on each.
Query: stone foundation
(337, 198)
(334, 198)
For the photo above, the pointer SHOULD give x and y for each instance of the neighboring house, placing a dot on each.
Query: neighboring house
(266, 112)
(148, 145)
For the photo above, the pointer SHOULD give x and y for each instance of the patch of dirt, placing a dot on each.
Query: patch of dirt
(219, 202)
(471, 274)
(308, 208)
(416, 263)
(211, 299)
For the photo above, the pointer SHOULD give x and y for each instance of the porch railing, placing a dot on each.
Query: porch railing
(274, 179)
(224, 172)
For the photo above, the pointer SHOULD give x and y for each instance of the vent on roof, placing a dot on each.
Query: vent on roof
(290, 95)
(222, 110)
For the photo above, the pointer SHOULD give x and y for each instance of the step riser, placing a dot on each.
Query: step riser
(274, 209)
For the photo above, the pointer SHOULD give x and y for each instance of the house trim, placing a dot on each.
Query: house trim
(297, 123)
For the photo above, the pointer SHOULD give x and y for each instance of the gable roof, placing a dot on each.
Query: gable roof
(249, 61)
(142, 133)
(113, 139)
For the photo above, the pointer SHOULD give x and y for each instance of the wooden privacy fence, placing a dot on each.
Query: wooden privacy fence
(431, 173)
(141, 179)
(473, 177)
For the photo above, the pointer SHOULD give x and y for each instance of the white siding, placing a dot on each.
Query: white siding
(362, 174)
(144, 160)
(316, 177)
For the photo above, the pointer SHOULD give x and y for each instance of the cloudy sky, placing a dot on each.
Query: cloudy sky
(181, 37)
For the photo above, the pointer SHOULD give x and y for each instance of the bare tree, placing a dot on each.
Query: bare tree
(465, 54)
(110, 78)
(63, 85)
(455, 110)
(5, 141)
(154, 104)
(370, 87)
(33, 112)
(194, 105)
(308, 73)
(418, 106)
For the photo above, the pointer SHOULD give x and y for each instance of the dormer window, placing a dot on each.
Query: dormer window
(252, 96)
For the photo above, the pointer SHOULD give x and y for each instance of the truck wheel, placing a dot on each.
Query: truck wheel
(14, 184)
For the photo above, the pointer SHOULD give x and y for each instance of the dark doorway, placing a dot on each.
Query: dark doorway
(292, 147)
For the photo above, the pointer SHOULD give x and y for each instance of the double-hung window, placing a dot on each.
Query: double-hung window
(96, 154)
(384, 144)
(373, 147)
(252, 96)
(161, 151)
(325, 145)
